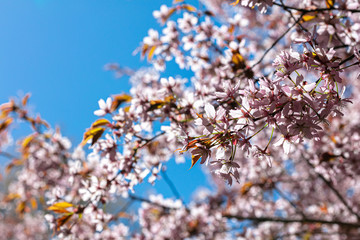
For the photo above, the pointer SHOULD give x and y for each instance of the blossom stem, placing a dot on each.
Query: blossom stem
(272, 133)
(258, 131)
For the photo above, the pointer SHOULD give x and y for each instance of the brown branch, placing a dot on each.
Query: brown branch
(147, 141)
(171, 185)
(292, 16)
(315, 10)
(334, 190)
(314, 232)
(347, 59)
(289, 220)
(297, 209)
(141, 199)
(276, 42)
(8, 155)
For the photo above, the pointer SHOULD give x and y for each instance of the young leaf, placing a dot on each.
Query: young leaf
(33, 203)
(156, 104)
(171, 12)
(21, 207)
(144, 50)
(60, 207)
(5, 124)
(11, 196)
(25, 99)
(246, 187)
(235, 3)
(63, 204)
(151, 53)
(118, 100)
(94, 134)
(25, 143)
(100, 122)
(189, 8)
(308, 17)
(329, 3)
(237, 61)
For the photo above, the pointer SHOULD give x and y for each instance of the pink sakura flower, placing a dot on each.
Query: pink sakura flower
(202, 152)
(209, 122)
(287, 143)
(163, 14)
(93, 189)
(225, 166)
(228, 91)
(187, 23)
(262, 5)
(189, 42)
(227, 170)
(306, 128)
(243, 115)
(170, 34)
(286, 63)
(105, 107)
(263, 155)
(152, 39)
(301, 37)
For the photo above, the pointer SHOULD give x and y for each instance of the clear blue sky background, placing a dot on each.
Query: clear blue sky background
(56, 50)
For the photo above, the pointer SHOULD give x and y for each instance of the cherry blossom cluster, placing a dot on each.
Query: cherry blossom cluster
(270, 106)
(199, 221)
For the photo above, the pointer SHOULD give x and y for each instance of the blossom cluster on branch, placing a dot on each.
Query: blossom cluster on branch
(271, 109)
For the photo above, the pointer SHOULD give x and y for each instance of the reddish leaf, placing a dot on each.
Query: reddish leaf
(25, 99)
(194, 159)
(144, 50)
(62, 220)
(5, 124)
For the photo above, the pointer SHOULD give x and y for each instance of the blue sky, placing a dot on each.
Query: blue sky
(56, 50)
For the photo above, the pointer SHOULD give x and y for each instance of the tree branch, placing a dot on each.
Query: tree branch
(333, 189)
(297, 209)
(8, 155)
(315, 10)
(289, 220)
(171, 185)
(141, 199)
(276, 41)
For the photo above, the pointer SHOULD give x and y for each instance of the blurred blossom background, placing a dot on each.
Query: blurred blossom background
(57, 50)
